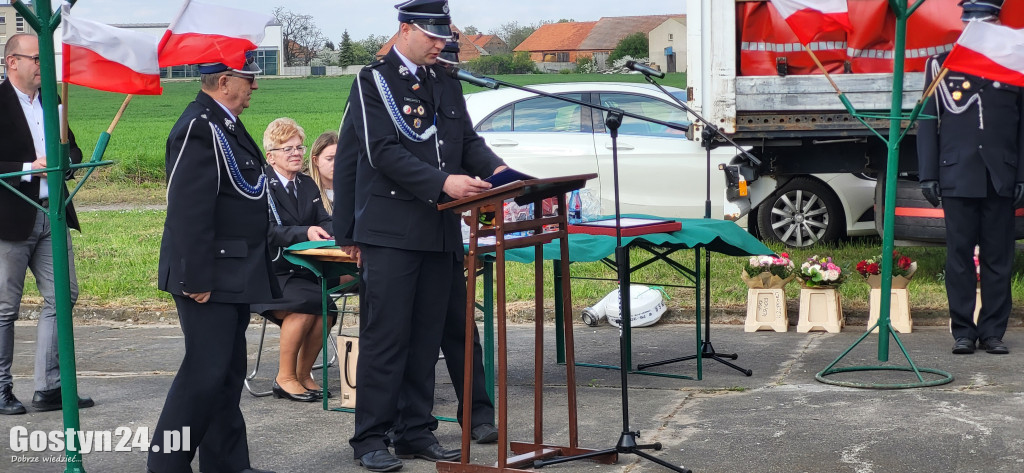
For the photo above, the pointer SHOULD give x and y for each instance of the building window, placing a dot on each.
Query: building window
(670, 36)
(561, 57)
(19, 24)
(267, 60)
(3, 19)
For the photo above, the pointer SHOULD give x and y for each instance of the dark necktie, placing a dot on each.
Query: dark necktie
(421, 74)
(290, 189)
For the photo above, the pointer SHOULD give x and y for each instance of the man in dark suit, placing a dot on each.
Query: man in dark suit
(25, 236)
(410, 144)
(972, 158)
(215, 262)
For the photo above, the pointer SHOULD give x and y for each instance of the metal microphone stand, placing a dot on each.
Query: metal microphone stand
(707, 350)
(627, 443)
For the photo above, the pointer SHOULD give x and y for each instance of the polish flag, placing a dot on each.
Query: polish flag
(988, 50)
(204, 33)
(102, 57)
(808, 18)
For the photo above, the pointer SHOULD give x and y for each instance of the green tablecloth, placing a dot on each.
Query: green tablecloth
(719, 236)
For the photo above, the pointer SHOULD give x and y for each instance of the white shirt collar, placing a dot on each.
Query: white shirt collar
(285, 180)
(412, 66)
(24, 97)
(232, 115)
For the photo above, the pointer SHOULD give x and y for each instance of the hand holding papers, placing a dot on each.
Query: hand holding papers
(506, 176)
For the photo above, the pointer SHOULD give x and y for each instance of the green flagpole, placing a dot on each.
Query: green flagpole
(45, 23)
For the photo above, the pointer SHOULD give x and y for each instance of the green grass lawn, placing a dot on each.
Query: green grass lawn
(117, 254)
(316, 103)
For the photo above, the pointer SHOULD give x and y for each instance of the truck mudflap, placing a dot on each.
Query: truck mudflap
(769, 47)
(916, 219)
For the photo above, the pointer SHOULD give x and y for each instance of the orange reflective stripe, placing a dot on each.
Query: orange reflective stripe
(934, 213)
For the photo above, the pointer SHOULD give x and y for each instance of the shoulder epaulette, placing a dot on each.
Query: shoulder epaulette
(374, 64)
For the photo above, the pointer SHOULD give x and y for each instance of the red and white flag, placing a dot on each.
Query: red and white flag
(988, 50)
(204, 33)
(808, 18)
(103, 57)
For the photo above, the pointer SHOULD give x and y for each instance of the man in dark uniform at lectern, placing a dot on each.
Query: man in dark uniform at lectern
(972, 157)
(214, 261)
(406, 144)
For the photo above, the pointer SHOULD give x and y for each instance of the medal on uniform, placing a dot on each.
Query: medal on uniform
(957, 95)
(416, 86)
(966, 85)
(420, 111)
(417, 123)
(407, 110)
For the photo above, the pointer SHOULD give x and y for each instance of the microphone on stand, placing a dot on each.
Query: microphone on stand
(459, 74)
(645, 70)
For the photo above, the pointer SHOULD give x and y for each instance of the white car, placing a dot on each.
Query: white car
(661, 172)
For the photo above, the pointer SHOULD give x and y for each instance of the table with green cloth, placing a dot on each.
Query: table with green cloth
(720, 236)
(327, 262)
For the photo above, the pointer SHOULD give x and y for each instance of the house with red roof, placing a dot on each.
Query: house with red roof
(564, 43)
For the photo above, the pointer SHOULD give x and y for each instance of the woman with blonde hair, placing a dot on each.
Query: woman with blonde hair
(297, 215)
(321, 166)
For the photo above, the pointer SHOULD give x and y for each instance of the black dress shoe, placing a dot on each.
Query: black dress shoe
(319, 393)
(380, 460)
(484, 433)
(10, 405)
(280, 393)
(434, 453)
(994, 346)
(963, 346)
(49, 400)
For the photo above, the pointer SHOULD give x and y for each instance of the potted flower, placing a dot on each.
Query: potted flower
(766, 277)
(820, 305)
(903, 269)
(768, 271)
(820, 271)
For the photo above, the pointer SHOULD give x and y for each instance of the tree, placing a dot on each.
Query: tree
(329, 45)
(635, 45)
(471, 30)
(346, 53)
(372, 44)
(513, 34)
(302, 38)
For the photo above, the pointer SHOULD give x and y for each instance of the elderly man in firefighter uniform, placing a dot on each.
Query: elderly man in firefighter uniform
(972, 158)
(406, 144)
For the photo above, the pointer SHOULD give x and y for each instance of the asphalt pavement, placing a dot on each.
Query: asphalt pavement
(780, 419)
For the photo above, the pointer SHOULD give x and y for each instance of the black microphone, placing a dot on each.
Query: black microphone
(647, 71)
(459, 74)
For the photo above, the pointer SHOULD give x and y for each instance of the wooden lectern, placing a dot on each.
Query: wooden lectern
(523, 192)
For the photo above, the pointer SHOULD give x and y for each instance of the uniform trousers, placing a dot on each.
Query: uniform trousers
(453, 346)
(205, 393)
(16, 257)
(400, 326)
(988, 223)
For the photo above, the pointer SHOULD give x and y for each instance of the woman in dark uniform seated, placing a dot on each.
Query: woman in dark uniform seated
(296, 215)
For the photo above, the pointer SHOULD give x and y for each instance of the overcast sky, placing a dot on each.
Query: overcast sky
(362, 18)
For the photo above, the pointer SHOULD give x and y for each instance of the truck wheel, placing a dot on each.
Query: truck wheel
(800, 214)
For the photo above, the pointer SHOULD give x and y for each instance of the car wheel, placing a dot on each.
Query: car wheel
(802, 213)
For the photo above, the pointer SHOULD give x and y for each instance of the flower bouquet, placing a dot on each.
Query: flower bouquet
(903, 269)
(820, 271)
(768, 271)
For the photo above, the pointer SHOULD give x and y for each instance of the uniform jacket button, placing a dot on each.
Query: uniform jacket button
(392, 192)
(440, 142)
(221, 251)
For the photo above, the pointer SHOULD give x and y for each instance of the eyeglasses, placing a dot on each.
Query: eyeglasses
(34, 59)
(246, 77)
(290, 149)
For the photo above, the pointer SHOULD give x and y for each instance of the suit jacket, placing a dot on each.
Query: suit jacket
(980, 127)
(18, 216)
(296, 216)
(215, 235)
(390, 169)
